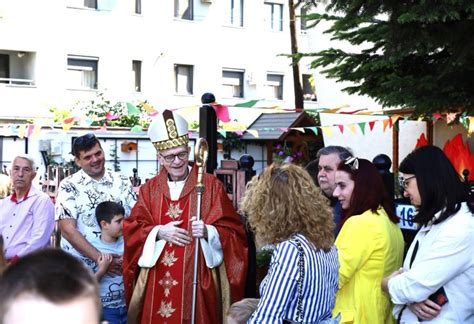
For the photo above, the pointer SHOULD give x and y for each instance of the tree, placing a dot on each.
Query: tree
(408, 54)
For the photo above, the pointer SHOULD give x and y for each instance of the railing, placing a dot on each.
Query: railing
(21, 82)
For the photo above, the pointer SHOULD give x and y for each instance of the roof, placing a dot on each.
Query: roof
(270, 125)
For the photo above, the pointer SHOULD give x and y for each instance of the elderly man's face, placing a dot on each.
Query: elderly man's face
(175, 161)
(22, 174)
(327, 171)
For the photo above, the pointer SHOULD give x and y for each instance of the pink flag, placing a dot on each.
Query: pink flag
(222, 112)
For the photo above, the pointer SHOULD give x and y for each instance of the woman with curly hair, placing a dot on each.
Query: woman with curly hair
(285, 208)
(370, 243)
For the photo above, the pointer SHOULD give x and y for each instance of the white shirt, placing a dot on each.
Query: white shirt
(445, 258)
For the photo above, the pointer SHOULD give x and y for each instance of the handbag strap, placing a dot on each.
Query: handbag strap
(299, 305)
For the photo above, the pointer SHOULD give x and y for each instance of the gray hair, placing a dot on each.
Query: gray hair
(28, 158)
(341, 151)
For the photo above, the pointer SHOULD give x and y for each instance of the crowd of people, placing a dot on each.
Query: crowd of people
(338, 252)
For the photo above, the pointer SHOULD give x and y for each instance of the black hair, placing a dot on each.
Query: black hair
(107, 210)
(439, 185)
(52, 274)
(84, 143)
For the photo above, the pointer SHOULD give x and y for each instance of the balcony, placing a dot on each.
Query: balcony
(17, 68)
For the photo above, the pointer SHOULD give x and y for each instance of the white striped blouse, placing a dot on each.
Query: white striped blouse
(278, 290)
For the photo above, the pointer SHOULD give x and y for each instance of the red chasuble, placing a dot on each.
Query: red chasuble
(168, 293)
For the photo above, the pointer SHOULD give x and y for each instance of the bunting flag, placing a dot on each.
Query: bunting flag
(470, 130)
(371, 125)
(103, 128)
(314, 130)
(109, 116)
(136, 129)
(299, 129)
(436, 117)
(222, 112)
(247, 104)
(362, 127)
(327, 130)
(222, 132)
(450, 117)
(421, 141)
(148, 108)
(36, 132)
(253, 132)
(385, 124)
(341, 128)
(132, 109)
(353, 128)
(67, 126)
(21, 131)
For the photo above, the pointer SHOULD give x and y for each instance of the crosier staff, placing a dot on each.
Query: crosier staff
(200, 153)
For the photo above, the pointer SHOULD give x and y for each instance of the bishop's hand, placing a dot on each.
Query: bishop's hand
(172, 233)
(198, 228)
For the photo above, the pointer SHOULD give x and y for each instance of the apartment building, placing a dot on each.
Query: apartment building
(56, 53)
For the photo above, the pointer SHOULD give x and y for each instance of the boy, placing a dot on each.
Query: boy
(110, 216)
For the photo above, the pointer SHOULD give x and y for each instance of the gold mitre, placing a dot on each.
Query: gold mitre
(168, 130)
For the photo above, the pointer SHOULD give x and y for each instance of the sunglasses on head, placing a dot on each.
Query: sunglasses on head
(84, 139)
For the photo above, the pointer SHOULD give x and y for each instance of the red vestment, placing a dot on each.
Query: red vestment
(168, 292)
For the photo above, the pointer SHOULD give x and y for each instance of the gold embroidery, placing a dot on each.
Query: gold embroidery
(166, 310)
(167, 282)
(174, 211)
(169, 259)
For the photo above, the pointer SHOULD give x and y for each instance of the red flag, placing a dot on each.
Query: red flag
(421, 141)
(222, 112)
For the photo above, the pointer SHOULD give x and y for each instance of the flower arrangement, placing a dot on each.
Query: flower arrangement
(284, 154)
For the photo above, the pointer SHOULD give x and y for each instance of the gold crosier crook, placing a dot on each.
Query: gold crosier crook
(200, 156)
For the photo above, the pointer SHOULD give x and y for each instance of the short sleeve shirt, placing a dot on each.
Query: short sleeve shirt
(79, 195)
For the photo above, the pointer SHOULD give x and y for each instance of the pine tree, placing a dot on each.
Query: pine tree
(411, 54)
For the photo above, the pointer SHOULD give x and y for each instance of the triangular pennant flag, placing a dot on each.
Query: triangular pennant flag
(390, 122)
(464, 122)
(21, 131)
(436, 117)
(253, 132)
(29, 130)
(132, 109)
(353, 128)
(371, 125)
(284, 130)
(223, 132)
(148, 108)
(327, 130)
(341, 128)
(362, 127)
(247, 104)
(136, 129)
(103, 128)
(239, 132)
(36, 132)
(67, 126)
(109, 116)
(222, 112)
(314, 129)
(385, 124)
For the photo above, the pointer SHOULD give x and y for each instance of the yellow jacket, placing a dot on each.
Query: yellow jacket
(370, 248)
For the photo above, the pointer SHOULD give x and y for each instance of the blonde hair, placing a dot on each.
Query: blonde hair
(5, 186)
(282, 201)
(241, 311)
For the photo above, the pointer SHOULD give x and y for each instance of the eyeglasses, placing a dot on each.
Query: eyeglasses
(403, 182)
(170, 158)
(84, 139)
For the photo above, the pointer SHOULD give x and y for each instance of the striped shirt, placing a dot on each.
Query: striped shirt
(279, 288)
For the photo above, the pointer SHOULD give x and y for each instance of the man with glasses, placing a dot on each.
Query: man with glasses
(161, 232)
(79, 195)
(26, 216)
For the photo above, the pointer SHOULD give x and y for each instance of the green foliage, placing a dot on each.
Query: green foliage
(263, 257)
(406, 54)
(232, 141)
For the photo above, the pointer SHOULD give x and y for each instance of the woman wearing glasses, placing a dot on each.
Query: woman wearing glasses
(436, 282)
(370, 243)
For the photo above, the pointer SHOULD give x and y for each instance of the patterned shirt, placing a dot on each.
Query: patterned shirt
(79, 195)
(279, 288)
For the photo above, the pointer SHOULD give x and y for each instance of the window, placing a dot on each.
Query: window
(4, 68)
(184, 79)
(236, 13)
(303, 21)
(275, 86)
(274, 16)
(309, 90)
(137, 75)
(183, 9)
(233, 84)
(90, 4)
(82, 72)
(138, 7)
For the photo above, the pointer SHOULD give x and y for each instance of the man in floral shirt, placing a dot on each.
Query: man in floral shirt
(80, 193)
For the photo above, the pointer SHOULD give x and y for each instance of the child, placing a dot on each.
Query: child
(110, 216)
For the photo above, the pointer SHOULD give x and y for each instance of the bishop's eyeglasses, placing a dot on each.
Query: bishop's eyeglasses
(170, 158)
